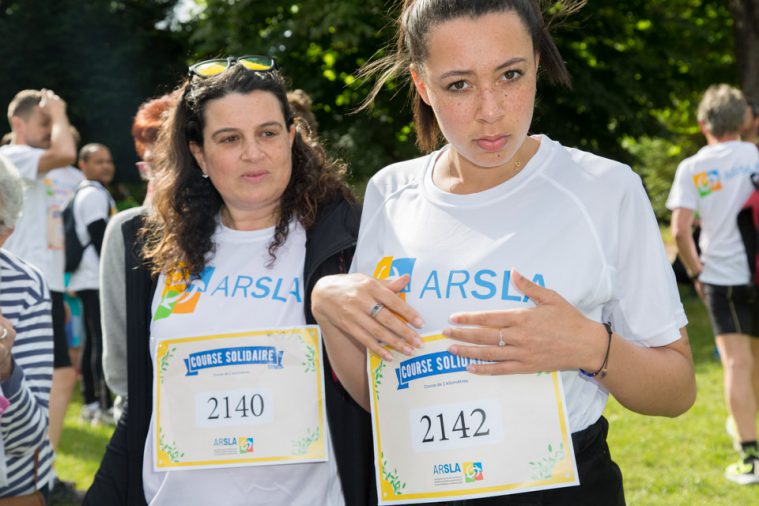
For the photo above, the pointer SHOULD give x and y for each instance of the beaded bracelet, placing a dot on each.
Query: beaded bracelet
(601, 370)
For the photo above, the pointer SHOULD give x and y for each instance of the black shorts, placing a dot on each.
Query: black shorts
(61, 356)
(732, 309)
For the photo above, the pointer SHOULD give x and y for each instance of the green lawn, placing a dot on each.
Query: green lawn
(81, 447)
(664, 461)
(680, 461)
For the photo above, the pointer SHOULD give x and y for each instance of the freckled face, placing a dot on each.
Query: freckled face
(247, 153)
(480, 80)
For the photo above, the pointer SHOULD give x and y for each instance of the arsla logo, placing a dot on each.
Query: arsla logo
(389, 267)
(473, 472)
(179, 297)
(451, 468)
(245, 444)
(707, 182)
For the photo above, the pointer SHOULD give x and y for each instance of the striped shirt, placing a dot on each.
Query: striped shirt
(25, 301)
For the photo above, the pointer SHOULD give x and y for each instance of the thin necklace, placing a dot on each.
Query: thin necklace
(517, 166)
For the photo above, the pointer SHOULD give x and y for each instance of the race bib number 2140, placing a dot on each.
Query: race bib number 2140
(242, 399)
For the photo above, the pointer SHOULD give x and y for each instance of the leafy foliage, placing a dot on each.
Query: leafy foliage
(636, 65)
(632, 62)
(639, 68)
(319, 44)
(104, 57)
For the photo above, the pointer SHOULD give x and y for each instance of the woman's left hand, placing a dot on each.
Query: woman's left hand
(552, 336)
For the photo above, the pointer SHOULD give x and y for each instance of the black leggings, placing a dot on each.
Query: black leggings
(600, 478)
(94, 388)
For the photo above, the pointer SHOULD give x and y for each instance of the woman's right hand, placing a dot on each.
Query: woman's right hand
(345, 302)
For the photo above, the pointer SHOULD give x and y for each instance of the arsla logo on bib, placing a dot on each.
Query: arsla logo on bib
(455, 473)
(232, 445)
(473, 472)
(245, 444)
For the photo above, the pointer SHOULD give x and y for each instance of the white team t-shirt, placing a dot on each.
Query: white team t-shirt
(60, 185)
(28, 240)
(237, 293)
(715, 182)
(92, 203)
(571, 221)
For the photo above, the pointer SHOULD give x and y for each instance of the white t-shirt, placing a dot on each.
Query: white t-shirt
(571, 221)
(28, 241)
(92, 203)
(715, 182)
(60, 184)
(237, 293)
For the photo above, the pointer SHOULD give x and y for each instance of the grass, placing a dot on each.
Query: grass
(680, 461)
(664, 461)
(81, 447)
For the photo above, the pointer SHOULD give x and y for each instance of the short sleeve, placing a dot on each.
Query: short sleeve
(373, 200)
(26, 159)
(645, 307)
(95, 205)
(683, 192)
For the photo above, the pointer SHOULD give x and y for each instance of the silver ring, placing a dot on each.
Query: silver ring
(376, 309)
(4, 334)
(501, 342)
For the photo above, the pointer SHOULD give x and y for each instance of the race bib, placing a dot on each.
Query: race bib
(242, 399)
(441, 433)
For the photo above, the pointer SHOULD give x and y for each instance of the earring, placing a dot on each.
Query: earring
(205, 176)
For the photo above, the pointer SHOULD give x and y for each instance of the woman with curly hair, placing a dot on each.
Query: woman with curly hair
(247, 215)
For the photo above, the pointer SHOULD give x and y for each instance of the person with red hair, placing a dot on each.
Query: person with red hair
(147, 123)
(145, 129)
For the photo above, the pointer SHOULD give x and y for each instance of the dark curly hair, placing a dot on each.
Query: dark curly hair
(178, 232)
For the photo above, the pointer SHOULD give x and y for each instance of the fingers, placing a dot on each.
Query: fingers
(504, 360)
(50, 101)
(475, 335)
(346, 302)
(374, 335)
(493, 319)
(534, 291)
(7, 334)
(397, 305)
(397, 327)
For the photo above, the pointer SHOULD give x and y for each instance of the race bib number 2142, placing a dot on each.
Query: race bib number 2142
(443, 433)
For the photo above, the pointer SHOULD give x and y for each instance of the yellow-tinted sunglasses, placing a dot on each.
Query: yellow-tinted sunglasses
(216, 66)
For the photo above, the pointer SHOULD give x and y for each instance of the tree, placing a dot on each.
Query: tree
(638, 67)
(746, 18)
(319, 44)
(104, 57)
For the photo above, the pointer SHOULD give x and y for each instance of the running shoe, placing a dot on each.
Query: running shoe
(89, 411)
(745, 471)
(103, 417)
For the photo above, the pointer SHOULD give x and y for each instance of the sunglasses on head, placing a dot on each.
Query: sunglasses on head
(216, 66)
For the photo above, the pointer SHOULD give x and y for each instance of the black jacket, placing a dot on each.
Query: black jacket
(330, 244)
